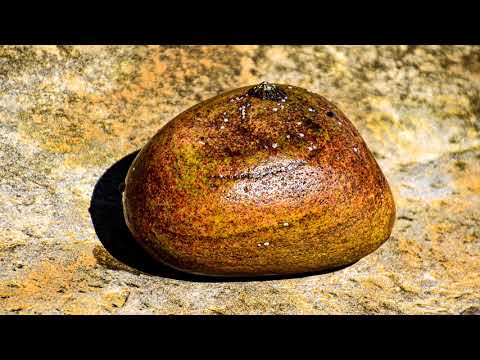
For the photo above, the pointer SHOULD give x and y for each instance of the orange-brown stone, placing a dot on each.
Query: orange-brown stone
(264, 180)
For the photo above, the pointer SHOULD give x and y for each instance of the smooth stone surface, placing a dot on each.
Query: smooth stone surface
(262, 180)
(71, 119)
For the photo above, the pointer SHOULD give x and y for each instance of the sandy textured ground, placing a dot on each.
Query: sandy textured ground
(69, 115)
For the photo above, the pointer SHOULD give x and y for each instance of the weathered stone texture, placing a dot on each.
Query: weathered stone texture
(67, 114)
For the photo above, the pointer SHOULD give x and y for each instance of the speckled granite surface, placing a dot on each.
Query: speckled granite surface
(70, 115)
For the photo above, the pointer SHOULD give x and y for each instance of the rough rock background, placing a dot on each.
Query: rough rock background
(70, 113)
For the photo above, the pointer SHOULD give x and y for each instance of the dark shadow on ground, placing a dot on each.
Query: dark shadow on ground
(107, 217)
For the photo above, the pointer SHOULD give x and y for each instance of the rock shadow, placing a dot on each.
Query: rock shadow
(106, 212)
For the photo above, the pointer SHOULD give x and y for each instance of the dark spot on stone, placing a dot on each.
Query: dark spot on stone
(377, 154)
(461, 165)
(405, 218)
(267, 91)
(436, 185)
(310, 123)
(453, 140)
(330, 114)
(233, 152)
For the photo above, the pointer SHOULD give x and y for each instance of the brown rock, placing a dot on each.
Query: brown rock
(261, 180)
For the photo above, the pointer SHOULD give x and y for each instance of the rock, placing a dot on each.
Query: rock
(73, 117)
(262, 180)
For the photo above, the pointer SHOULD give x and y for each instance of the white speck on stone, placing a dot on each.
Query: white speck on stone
(355, 149)
(289, 87)
(301, 135)
(288, 136)
(201, 142)
(299, 123)
(311, 109)
(428, 276)
(285, 224)
(266, 243)
(225, 120)
(274, 145)
(242, 111)
(259, 245)
(275, 109)
(222, 127)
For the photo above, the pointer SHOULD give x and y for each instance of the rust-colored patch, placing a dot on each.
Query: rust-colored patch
(93, 120)
(50, 283)
(71, 287)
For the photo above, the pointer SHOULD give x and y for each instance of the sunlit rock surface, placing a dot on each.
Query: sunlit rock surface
(68, 114)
